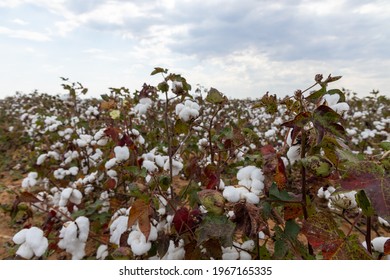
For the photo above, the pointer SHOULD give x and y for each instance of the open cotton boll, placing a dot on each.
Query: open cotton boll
(83, 228)
(73, 195)
(378, 243)
(150, 166)
(230, 253)
(117, 228)
(383, 222)
(111, 163)
(122, 153)
(32, 242)
(73, 236)
(175, 252)
(250, 197)
(294, 153)
(177, 166)
(245, 256)
(138, 243)
(30, 181)
(231, 194)
(245, 172)
(102, 252)
(142, 107)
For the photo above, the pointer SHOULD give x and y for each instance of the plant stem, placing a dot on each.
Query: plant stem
(303, 185)
(368, 235)
(169, 140)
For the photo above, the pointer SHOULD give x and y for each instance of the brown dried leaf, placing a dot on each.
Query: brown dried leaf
(248, 218)
(140, 211)
(28, 197)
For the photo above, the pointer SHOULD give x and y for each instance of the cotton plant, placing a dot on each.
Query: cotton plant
(333, 102)
(73, 237)
(378, 245)
(32, 243)
(143, 106)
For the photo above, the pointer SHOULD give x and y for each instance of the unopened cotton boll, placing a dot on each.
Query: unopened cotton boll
(121, 153)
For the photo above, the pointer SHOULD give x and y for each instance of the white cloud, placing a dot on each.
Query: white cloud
(19, 21)
(24, 34)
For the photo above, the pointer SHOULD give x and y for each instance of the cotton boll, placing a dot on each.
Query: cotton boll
(378, 243)
(25, 251)
(150, 166)
(102, 252)
(111, 163)
(175, 253)
(122, 153)
(250, 197)
(138, 243)
(383, 222)
(30, 181)
(74, 170)
(245, 173)
(248, 245)
(230, 253)
(231, 194)
(294, 153)
(117, 228)
(65, 194)
(245, 256)
(20, 237)
(41, 159)
(83, 227)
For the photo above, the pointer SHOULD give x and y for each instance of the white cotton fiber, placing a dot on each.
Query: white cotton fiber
(122, 153)
(102, 252)
(111, 163)
(231, 194)
(150, 166)
(117, 228)
(138, 243)
(32, 242)
(250, 197)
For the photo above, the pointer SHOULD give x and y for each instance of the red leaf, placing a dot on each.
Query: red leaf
(372, 179)
(280, 176)
(112, 132)
(292, 211)
(111, 184)
(387, 247)
(267, 150)
(184, 220)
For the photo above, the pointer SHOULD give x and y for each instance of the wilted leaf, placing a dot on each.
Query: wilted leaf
(181, 127)
(213, 248)
(248, 219)
(370, 177)
(280, 175)
(192, 251)
(110, 184)
(386, 247)
(184, 220)
(107, 105)
(28, 197)
(297, 124)
(325, 119)
(292, 211)
(348, 248)
(216, 227)
(215, 97)
(140, 211)
(322, 232)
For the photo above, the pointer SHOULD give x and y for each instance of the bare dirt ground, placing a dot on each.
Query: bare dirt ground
(7, 230)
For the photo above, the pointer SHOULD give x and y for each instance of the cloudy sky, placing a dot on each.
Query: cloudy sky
(243, 48)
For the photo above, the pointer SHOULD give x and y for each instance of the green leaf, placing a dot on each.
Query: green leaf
(317, 95)
(364, 203)
(163, 87)
(292, 229)
(281, 248)
(339, 92)
(165, 182)
(385, 145)
(275, 194)
(158, 70)
(181, 127)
